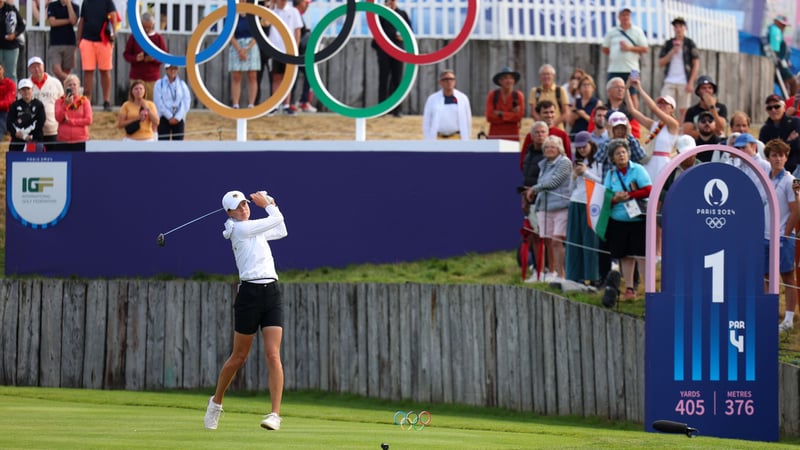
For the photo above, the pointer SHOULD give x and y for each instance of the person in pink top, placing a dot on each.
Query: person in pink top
(74, 115)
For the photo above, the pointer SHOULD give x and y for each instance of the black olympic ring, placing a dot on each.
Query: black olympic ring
(715, 222)
(409, 420)
(344, 35)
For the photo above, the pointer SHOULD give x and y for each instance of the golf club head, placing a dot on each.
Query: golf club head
(160, 239)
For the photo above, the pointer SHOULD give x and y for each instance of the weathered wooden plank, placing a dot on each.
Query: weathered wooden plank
(789, 399)
(362, 376)
(423, 328)
(617, 366)
(456, 337)
(538, 352)
(52, 304)
(323, 344)
(402, 303)
(29, 293)
(572, 332)
(630, 355)
(334, 345)
(489, 327)
(550, 353)
(309, 349)
(9, 312)
(347, 340)
(508, 353)
(209, 345)
(473, 337)
(73, 333)
(95, 334)
(561, 356)
(291, 294)
(173, 334)
(154, 343)
(437, 353)
(191, 335)
(116, 332)
(601, 364)
(301, 324)
(373, 347)
(136, 349)
(588, 369)
(396, 342)
(222, 302)
(444, 323)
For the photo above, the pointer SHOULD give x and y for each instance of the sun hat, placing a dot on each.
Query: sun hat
(232, 199)
(506, 70)
(25, 83)
(744, 139)
(35, 60)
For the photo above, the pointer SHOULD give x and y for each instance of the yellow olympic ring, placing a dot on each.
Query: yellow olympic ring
(199, 88)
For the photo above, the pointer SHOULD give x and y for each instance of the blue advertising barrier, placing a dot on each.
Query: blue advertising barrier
(340, 208)
(711, 352)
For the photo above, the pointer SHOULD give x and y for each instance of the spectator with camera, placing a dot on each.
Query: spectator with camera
(25, 119)
(74, 116)
(138, 116)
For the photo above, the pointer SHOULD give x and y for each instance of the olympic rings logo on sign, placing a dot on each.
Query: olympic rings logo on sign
(409, 54)
(411, 420)
(715, 222)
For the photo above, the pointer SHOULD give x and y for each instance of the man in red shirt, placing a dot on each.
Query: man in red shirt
(547, 112)
(505, 107)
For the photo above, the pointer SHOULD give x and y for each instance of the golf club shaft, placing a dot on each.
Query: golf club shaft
(193, 221)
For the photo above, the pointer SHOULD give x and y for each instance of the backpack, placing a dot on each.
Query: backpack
(514, 100)
(558, 96)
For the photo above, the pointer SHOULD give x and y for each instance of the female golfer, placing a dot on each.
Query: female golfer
(258, 302)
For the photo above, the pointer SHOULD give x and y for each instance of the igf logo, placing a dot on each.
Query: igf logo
(36, 184)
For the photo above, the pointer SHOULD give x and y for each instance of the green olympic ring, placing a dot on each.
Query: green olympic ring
(403, 88)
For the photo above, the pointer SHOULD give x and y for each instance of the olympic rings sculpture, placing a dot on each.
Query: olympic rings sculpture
(409, 54)
(411, 420)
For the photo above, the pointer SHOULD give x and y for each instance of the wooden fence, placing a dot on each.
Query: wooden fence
(744, 80)
(502, 346)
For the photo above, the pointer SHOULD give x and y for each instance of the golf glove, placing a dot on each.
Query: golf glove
(228, 229)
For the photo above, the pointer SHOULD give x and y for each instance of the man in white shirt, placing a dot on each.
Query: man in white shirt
(624, 46)
(447, 113)
(47, 90)
(258, 303)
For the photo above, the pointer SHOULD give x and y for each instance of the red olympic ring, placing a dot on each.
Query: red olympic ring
(426, 58)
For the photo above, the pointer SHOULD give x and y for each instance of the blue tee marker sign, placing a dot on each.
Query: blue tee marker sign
(711, 333)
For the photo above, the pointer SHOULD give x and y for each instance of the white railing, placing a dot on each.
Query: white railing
(574, 21)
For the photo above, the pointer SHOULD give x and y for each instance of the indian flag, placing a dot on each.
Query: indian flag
(598, 207)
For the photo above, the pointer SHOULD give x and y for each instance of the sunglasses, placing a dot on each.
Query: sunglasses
(447, 79)
(774, 107)
(706, 120)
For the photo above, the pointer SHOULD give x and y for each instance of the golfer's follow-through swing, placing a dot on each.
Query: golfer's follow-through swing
(258, 303)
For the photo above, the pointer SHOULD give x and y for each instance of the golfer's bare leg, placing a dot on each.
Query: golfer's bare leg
(241, 347)
(272, 351)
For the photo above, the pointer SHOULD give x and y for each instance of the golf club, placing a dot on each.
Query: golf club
(161, 236)
(669, 426)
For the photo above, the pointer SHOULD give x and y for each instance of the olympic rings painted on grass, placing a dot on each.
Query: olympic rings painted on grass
(137, 30)
(429, 58)
(412, 420)
(403, 88)
(338, 42)
(199, 88)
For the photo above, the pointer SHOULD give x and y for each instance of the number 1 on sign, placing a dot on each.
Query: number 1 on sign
(716, 262)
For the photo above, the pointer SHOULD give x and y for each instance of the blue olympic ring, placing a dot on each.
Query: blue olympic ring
(168, 58)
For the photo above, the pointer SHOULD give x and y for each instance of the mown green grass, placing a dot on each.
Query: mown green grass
(75, 418)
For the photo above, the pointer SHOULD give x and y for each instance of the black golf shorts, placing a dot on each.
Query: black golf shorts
(257, 306)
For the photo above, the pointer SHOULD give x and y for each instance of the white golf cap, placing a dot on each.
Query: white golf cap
(617, 118)
(25, 83)
(232, 199)
(35, 60)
